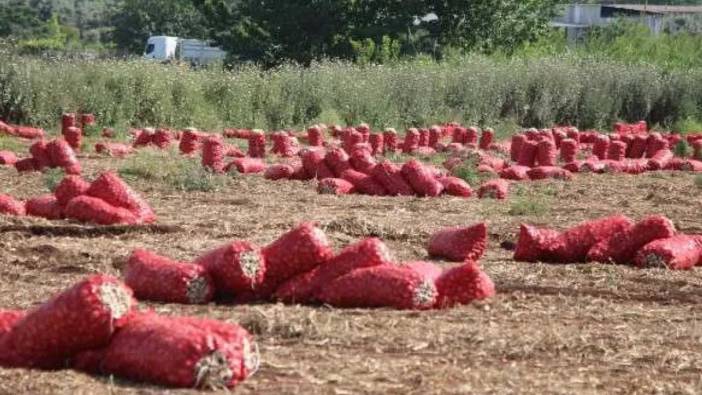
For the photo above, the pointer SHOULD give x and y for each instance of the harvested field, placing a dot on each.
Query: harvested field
(550, 329)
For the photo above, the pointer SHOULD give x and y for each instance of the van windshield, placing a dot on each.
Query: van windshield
(150, 48)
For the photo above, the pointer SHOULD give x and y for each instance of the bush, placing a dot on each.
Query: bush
(586, 92)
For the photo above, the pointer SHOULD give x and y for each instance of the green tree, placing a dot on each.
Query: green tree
(18, 20)
(488, 25)
(136, 20)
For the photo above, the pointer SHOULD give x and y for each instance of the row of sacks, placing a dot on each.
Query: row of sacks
(301, 267)
(651, 242)
(94, 327)
(55, 153)
(108, 200)
(24, 132)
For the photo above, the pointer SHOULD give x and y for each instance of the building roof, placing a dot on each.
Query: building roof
(657, 9)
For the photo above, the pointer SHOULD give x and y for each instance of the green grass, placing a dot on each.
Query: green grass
(526, 206)
(8, 143)
(500, 92)
(683, 149)
(52, 177)
(164, 167)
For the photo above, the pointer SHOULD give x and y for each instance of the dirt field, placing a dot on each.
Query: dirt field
(551, 329)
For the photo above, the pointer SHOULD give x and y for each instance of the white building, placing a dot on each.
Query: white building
(577, 19)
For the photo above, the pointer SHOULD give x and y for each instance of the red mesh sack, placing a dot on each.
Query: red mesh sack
(390, 140)
(41, 156)
(246, 165)
(574, 134)
(593, 165)
(143, 137)
(190, 141)
(434, 136)
(70, 187)
(459, 135)
(62, 155)
(527, 154)
(28, 132)
(675, 164)
(390, 177)
(574, 243)
(546, 153)
(495, 163)
(298, 251)
(180, 352)
(25, 165)
(279, 172)
(470, 136)
(569, 150)
(494, 189)
(638, 147)
(7, 158)
(363, 183)
(305, 287)
(284, 145)
(257, 144)
(455, 186)
(8, 319)
(162, 138)
(95, 210)
(516, 172)
(335, 186)
(660, 160)
(462, 285)
(617, 150)
(80, 318)
(315, 136)
(634, 166)
(314, 164)
(681, 252)
(428, 270)
(422, 181)
(392, 286)
(108, 133)
(117, 150)
(486, 139)
(45, 206)
(376, 142)
(362, 160)
(459, 243)
(235, 267)
(516, 146)
(411, 142)
(68, 120)
(558, 137)
(622, 247)
(110, 188)
(87, 119)
(600, 147)
(654, 144)
(536, 244)
(11, 206)
(549, 172)
(74, 137)
(697, 146)
(692, 165)
(573, 167)
(337, 160)
(213, 154)
(352, 138)
(423, 137)
(159, 279)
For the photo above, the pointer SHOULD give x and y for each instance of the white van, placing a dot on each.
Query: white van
(196, 52)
